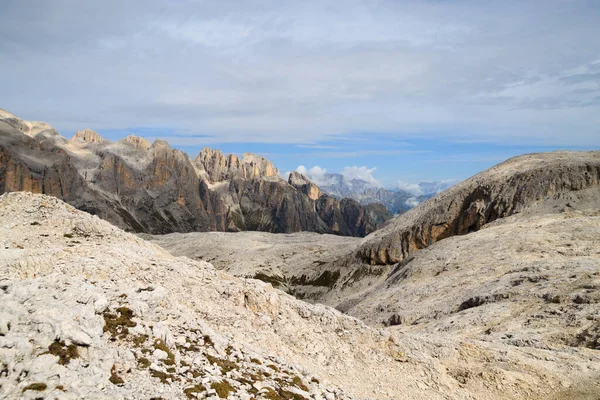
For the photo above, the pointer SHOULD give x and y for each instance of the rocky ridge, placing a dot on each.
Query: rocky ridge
(153, 188)
(542, 182)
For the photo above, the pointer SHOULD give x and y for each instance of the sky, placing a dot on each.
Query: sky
(393, 91)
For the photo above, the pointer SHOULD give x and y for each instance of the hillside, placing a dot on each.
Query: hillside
(152, 188)
(112, 316)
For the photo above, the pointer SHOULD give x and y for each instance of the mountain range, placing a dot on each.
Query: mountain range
(396, 201)
(152, 188)
(488, 290)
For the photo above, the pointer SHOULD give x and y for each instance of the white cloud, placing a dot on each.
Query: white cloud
(316, 174)
(413, 188)
(412, 202)
(243, 72)
(364, 173)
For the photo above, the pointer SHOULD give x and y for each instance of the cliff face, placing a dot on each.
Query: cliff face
(545, 182)
(153, 188)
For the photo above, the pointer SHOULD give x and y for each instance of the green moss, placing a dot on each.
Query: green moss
(164, 377)
(208, 341)
(118, 326)
(143, 362)
(296, 381)
(38, 387)
(225, 365)
(196, 373)
(274, 367)
(287, 395)
(64, 353)
(114, 378)
(192, 391)
(139, 340)
(222, 388)
(159, 344)
(68, 235)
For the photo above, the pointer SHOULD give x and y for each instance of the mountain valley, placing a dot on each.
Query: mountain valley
(234, 283)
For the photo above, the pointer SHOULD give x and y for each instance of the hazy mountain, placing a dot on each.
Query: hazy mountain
(395, 201)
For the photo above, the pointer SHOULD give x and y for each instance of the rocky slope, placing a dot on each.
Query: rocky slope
(89, 311)
(153, 188)
(293, 263)
(544, 182)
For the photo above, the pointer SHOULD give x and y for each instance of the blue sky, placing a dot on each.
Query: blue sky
(397, 90)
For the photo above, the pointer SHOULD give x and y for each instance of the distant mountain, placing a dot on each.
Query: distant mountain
(395, 201)
(152, 188)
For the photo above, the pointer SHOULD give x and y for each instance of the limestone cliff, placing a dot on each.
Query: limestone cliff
(545, 182)
(153, 188)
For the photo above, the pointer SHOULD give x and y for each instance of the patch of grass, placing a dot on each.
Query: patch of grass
(38, 387)
(296, 381)
(68, 235)
(139, 340)
(256, 361)
(222, 388)
(287, 395)
(274, 367)
(64, 353)
(159, 344)
(115, 379)
(143, 363)
(315, 380)
(208, 341)
(225, 365)
(118, 326)
(192, 391)
(164, 377)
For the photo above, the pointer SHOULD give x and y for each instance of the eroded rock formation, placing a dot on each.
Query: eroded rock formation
(153, 188)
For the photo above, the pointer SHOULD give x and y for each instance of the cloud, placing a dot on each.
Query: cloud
(363, 173)
(413, 188)
(316, 174)
(300, 72)
(412, 202)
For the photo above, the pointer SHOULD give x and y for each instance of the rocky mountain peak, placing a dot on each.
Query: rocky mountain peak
(88, 136)
(137, 142)
(29, 128)
(302, 183)
(219, 167)
(256, 166)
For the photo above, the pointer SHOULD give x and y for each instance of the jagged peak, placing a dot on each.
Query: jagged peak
(29, 128)
(137, 142)
(87, 135)
(161, 144)
(297, 179)
(6, 114)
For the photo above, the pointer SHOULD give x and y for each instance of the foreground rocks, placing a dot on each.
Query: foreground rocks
(152, 188)
(89, 311)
